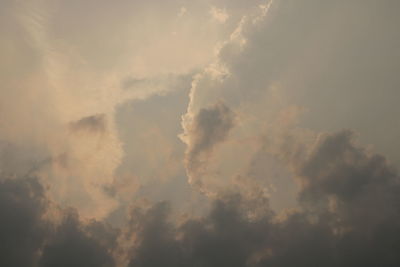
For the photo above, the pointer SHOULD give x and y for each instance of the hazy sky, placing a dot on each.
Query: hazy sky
(204, 133)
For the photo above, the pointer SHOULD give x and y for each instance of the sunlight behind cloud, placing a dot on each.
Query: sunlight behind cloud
(205, 133)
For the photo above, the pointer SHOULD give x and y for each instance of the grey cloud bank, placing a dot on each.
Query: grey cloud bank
(349, 216)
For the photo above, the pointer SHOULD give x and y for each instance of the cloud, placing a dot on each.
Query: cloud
(358, 229)
(34, 232)
(238, 79)
(349, 202)
(362, 188)
(22, 230)
(91, 124)
(220, 239)
(73, 244)
(153, 166)
(182, 11)
(219, 14)
(208, 127)
(59, 78)
(62, 86)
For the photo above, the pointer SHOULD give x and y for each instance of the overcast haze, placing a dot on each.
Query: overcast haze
(204, 133)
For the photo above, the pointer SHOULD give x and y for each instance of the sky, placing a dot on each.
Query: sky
(204, 133)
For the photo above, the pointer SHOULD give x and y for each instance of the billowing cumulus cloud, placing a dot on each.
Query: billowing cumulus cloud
(22, 205)
(349, 216)
(73, 244)
(362, 188)
(62, 84)
(34, 232)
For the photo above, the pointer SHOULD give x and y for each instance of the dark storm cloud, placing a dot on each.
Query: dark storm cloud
(223, 238)
(27, 238)
(92, 124)
(22, 231)
(72, 245)
(349, 216)
(228, 237)
(362, 188)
